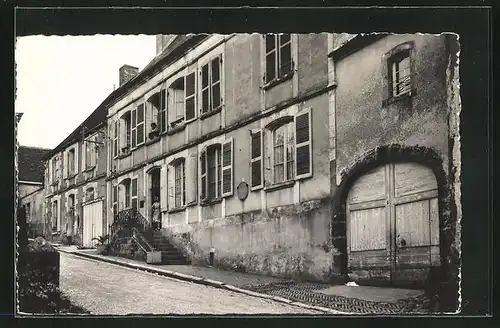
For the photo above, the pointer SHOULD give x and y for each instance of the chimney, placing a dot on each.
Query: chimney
(163, 40)
(127, 73)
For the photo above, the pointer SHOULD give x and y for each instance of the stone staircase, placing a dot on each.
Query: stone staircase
(169, 254)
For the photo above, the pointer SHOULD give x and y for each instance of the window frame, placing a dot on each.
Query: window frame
(400, 51)
(277, 49)
(114, 198)
(192, 96)
(308, 143)
(179, 164)
(115, 140)
(216, 150)
(136, 196)
(210, 85)
(70, 165)
(290, 126)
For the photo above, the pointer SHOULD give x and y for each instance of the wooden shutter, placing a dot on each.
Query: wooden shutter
(303, 142)
(76, 166)
(271, 54)
(190, 96)
(140, 122)
(162, 119)
(171, 186)
(256, 162)
(65, 164)
(227, 168)
(203, 175)
(191, 179)
(215, 77)
(133, 127)
(134, 194)
(163, 187)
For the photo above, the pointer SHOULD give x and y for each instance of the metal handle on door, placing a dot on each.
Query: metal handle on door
(401, 242)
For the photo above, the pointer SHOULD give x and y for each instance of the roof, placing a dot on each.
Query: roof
(356, 43)
(175, 50)
(30, 163)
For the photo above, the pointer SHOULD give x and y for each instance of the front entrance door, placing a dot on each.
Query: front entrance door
(393, 224)
(92, 223)
(155, 185)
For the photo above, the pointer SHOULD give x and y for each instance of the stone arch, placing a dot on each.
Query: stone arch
(379, 156)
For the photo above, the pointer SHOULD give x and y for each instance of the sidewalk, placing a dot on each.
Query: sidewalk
(332, 299)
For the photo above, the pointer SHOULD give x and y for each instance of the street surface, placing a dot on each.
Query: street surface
(105, 288)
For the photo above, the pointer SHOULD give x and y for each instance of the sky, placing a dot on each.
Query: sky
(61, 80)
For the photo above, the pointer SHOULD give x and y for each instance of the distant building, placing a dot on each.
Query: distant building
(31, 168)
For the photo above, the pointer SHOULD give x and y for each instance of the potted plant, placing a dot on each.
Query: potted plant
(103, 248)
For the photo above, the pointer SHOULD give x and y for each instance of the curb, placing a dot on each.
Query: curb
(206, 282)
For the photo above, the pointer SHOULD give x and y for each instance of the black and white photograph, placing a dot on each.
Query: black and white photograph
(307, 174)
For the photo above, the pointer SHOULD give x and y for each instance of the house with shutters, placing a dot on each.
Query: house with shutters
(75, 183)
(229, 133)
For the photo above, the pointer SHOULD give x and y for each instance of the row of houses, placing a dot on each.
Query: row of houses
(311, 155)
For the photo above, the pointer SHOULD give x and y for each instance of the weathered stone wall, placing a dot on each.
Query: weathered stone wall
(289, 241)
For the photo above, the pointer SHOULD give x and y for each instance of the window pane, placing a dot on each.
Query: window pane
(278, 154)
(279, 136)
(215, 70)
(190, 108)
(270, 66)
(216, 95)
(205, 100)
(204, 76)
(134, 203)
(279, 172)
(133, 118)
(285, 59)
(284, 38)
(256, 173)
(270, 42)
(140, 114)
(140, 133)
(190, 85)
(256, 145)
(134, 187)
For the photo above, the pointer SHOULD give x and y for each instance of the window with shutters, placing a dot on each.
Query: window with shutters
(90, 153)
(283, 153)
(176, 97)
(133, 197)
(211, 93)
(279, 63)
(71, 162)
(217, 171)
(180, 183)
(256, 162)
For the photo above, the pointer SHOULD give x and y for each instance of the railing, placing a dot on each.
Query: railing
(127, 223)
(141, 241)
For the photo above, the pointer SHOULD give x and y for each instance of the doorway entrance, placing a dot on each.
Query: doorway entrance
(393, 224)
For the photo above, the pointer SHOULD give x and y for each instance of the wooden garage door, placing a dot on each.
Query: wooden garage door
(392, 223)
(92, 223)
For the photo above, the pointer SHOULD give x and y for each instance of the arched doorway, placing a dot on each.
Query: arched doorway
(393, 224)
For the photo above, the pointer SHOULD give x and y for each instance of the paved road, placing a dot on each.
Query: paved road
(105, 288)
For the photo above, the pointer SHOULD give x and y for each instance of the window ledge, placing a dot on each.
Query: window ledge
(278, 80)
(211, 201)
(402, 97)
(280, 185)
(176, 210)
(89, 169)
(190, 120)
(152, 141)
(175, 129)
(55, 183)
(123, 155)
(71, 176)
(211, 112)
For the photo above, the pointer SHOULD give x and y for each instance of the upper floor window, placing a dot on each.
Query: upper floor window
(211, 96)
(137, 126)
(283, 152)
(400, 74)
(176, 102)
(126, 125)
(154, 108)
(278, 56)
(71, 161)
(91, 153)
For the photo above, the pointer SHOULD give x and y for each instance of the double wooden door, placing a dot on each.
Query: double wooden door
(92, 223)
(393, 223)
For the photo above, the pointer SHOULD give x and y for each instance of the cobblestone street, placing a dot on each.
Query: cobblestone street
(104, 288)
